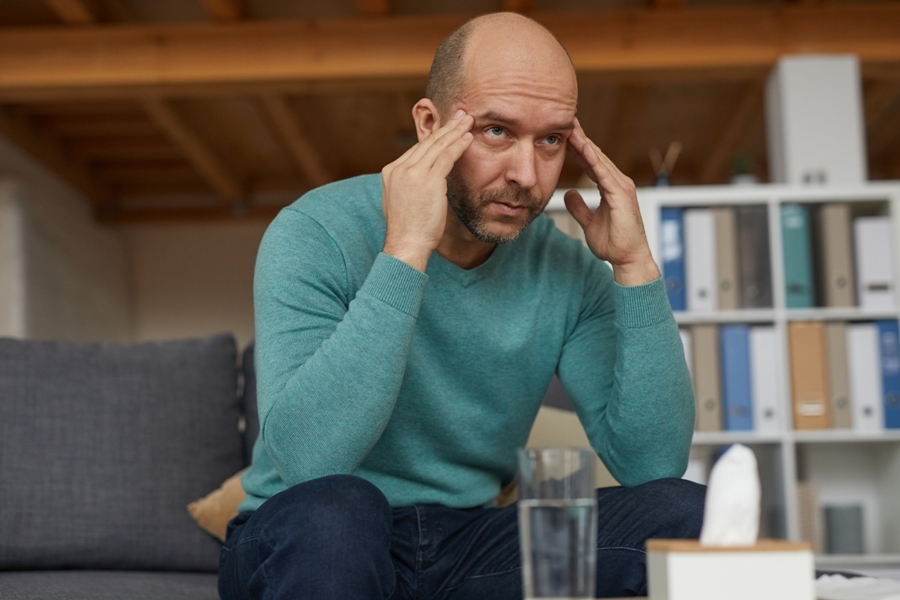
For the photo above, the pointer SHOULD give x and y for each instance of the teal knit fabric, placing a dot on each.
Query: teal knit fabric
(426, 384)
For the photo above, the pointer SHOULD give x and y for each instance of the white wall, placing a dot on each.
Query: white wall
(67, 276)
(193, 279)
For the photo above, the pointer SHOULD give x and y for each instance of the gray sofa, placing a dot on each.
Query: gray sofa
(102, 446)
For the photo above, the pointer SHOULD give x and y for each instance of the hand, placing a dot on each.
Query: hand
(414, 192)
(615, 231)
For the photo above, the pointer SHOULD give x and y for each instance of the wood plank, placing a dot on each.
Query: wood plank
(229, 56)
(124, 149)
(880, 100)
(519, 6)
(47, 151)
(628, 113)
(195, 150)
(287, 125)
(191, 214)
(73, 12)
(373, 8)
(730, 132)
(223, 11)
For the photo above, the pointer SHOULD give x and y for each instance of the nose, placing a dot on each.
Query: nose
(521, 168)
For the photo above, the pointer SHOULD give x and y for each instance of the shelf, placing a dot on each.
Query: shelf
(718, 438)
(844, 435)
(838, 314)
(835, 560)
(725, 316)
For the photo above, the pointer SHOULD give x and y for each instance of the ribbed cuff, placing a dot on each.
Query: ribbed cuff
(642, 305)
(396, 283)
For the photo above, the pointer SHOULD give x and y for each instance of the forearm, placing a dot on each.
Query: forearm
(327, 390)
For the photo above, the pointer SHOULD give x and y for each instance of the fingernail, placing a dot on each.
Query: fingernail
(459, 114)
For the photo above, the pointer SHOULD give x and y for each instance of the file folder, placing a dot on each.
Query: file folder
(766, 378)
(811, 398)
(726, 258)
(700, 259)
(737, 406)
(672, 251)
(841, 409)
(707, 387)
(835, 248)
(798, 274)
(865, 376)
(754, 258)
(874, 262)
(889, 345)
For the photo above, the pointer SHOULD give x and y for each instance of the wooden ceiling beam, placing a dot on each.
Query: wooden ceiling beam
(74, 12)
(228, 56)
(286, 124)
(224, 11)
(879, 100)
(373, 8)
(48, 152)
(195, 149)
(628, 113)
(730, 132)
(519, 6)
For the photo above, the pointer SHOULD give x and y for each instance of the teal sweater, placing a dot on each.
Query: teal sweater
(426, 384)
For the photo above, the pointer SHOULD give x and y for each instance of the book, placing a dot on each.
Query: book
(688, 352)
(837, 280)
(754, 258)
(737, 405)
(865, 376)
(836, 342)
(672, 251)
(700, 259)
(707, 387)
(874, 262)
(798, 273)
(766, 377)
(889, 346)
(726, 258)
(811, 398)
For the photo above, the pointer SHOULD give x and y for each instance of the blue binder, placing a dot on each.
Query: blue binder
(737, 394)
(672, 242)
(889, 346)
(798, 266)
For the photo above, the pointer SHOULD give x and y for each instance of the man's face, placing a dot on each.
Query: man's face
(523, 118)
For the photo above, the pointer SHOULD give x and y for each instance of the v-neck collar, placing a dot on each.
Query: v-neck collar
(438, 265)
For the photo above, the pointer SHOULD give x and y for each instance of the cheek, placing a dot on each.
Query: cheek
(480, 163)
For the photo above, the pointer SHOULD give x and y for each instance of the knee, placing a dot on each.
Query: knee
(677, 505)
(333, 508)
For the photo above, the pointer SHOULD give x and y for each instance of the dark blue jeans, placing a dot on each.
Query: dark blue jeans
(336, 538)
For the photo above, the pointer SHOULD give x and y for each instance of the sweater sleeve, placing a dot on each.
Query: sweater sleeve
(329, 363)
(623, 365)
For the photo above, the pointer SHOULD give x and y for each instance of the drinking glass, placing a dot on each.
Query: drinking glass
(557, 523)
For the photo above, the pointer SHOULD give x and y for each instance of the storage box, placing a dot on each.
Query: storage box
(769, 570)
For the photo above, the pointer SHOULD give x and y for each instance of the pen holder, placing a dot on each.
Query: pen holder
(769, 570)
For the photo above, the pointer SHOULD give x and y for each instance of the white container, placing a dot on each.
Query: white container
(770, 570)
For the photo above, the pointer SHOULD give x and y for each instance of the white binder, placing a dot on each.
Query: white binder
(874, 262)
(688, 356)
(700, 259)
(765, 373)
(864, 369)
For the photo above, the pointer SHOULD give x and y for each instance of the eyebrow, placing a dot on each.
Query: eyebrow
(497, 117)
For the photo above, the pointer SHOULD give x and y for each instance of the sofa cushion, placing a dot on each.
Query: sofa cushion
(102, 446)
(251, 412)
(107, 585)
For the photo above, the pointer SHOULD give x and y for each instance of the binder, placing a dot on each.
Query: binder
(889, 346)
(754, 259)
(865, 376)
(688, 353)
(836, 341)
(766, 378)
(811, 398)
(798, 274)
(707, 389)
(726, 258)
(874, 262)
(700, 259)
(737, 406)
(672, 240)
(835, 248)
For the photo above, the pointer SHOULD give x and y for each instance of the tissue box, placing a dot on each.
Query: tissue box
(769, 570)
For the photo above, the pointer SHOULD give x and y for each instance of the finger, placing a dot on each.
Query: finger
(443, 164)
(440, 146)
(422, 147)
(577, 208)
(576, 147)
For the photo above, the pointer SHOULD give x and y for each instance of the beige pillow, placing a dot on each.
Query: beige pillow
(213, 511)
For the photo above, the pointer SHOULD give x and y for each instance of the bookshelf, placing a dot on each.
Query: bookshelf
(845, 466)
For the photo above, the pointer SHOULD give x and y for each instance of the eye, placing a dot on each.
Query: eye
(553, 140)
(494, 131)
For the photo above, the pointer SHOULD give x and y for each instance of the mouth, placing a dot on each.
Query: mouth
(510, 210)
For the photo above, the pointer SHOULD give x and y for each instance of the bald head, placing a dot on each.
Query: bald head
(487, 43)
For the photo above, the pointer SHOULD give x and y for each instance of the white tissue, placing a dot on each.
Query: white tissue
(731, 513)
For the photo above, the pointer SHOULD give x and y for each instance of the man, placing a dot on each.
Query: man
(408, 325)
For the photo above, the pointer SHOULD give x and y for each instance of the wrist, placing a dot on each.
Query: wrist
(414, 254)
(635, 273)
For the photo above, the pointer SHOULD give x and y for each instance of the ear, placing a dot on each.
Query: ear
(426, 117)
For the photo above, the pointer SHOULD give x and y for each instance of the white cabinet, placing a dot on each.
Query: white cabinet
(844, 466)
